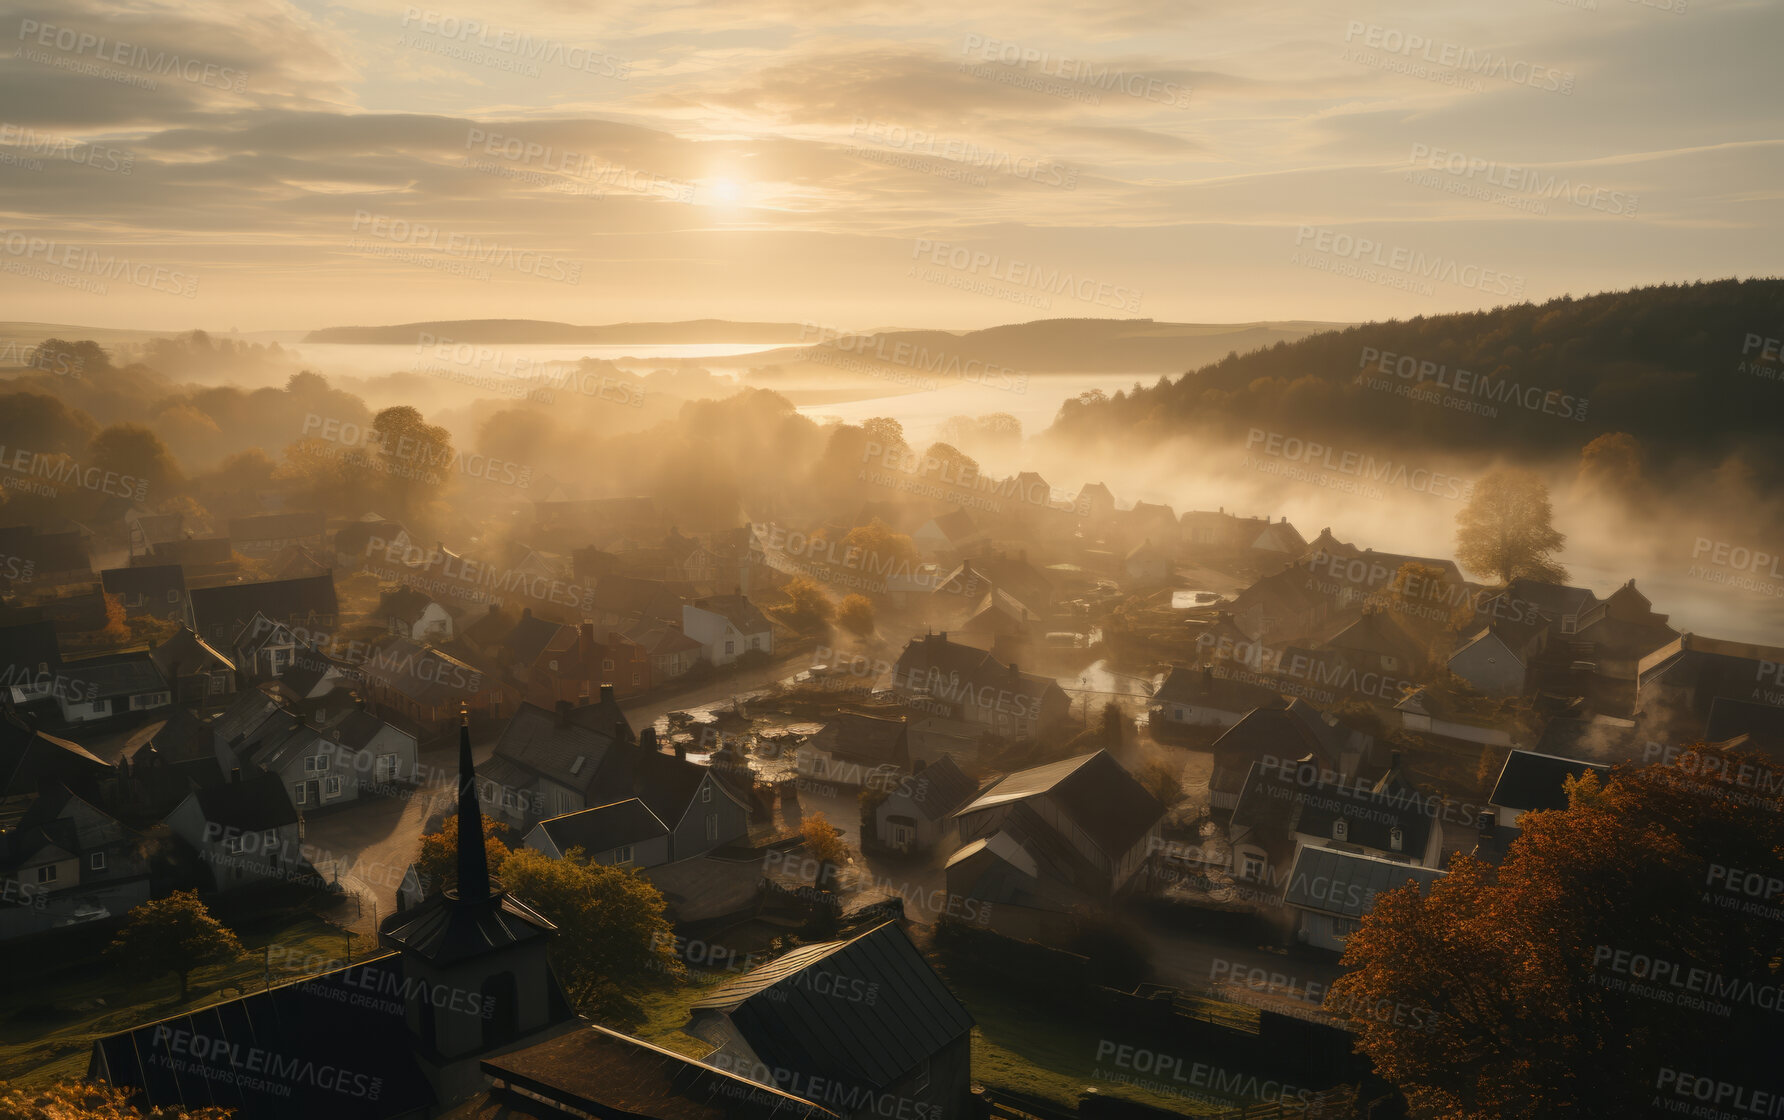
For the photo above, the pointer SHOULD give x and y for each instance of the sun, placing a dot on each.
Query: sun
(726, 191)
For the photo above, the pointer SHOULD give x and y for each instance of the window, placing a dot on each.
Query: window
(333, 788)
(607, 665)
(622, 856)
(1340, 829)
(554, 667)
(1254, 868)
(730, 647)
(706, 794)
(635, 679)
(96, 862)
(47, 873)
(712, 826)
(298, 792)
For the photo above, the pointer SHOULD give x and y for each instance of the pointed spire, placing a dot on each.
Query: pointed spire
(473, 861)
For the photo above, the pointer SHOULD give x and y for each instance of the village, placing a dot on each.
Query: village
(945, 799)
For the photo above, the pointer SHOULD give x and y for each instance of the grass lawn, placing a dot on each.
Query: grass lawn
(51, 1012)
(1050, 1054)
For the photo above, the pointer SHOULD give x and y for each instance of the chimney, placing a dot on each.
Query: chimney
(526, 612)
(563, 710)
(681, 749)
(944, 635)
(1489, 824)
(1394, 761)
(1014, 671)
(585, 640)
(917, 766)
(235, 776)
(606, 693)
(1396, 839)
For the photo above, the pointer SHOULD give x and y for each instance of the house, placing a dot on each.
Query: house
(621, 601)
(370, 535)
(244, 830)
(623, 834)
(670, 651)
(1530, 781)
(31, 761)
(199, 557)
(409, 613)
(1496, 660)
(223, 612)
(465, 974)
(969, 580)
(574, 663)
(917, 813)
(726, 626)
(30, 655)
(1330, 891)
(150, 591)
(1202, 698)
(155, 774)
(112, 684)
(65, 861)
(1264, 735)
(1095, 503)
(551, 763)
(429, 686)
(146, 530)
(339, 756)
(51, 558)
(1289, 804)
(1436, 711)
(948, 536)
(266, 535)
(855, 749)
(1084, 822)
(1218, 532)
(1277, 541)
(865, 1020)
(1282, 606)
(979, 689)
(264, 649)
(193, 669)
(1146, 565)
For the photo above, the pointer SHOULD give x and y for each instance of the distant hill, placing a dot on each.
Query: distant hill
(1680, 367)
(1052, 345)
(540, 331)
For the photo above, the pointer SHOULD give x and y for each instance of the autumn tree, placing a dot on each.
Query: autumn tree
(415, 457)
(85, 1100)
(1521, 991)
(1507, 528)
(613, 941)
(856, 615)
(173, 935)
(807, 605)
(436, 860)
(133, 451)
(877, 547)
(1611, 465)
(824, 844)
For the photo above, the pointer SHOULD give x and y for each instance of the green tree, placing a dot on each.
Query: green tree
(855, 614)
(613, 940)
(1496, 993)
(173, 935)
(134, 451)
(1507, 528)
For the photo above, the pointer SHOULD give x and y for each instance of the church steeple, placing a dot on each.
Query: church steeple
(473, 861)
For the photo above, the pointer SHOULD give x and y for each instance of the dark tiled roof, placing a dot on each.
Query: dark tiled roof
(793, 1021)
(1311, 799)
(1203, 687)
(117, 675)
(600, 1072)
(186, 651)
(737, 610)
(159, 583)
(251, 805)
(31, 760)
(234, 605)
(26, 645)
(1534, 781)
(941, 787)
(1345, 884)
(194, 550)
(348, 1027)
(1094, 790)
(443, 930)
(605, 827)
(529, 637)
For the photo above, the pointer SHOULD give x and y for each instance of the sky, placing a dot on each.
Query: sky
(856, 163)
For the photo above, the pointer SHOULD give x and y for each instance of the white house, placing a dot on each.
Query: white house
(917, 812)
(1331, 890)
(727, 627)
(245, 830)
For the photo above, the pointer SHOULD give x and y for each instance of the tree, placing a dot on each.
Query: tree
(415, 457)
(175, 934)
(878, 547)
(1506, 529)
(824, 844)
(856, 614)
(808, 606)
(436, 861)
(1162, 780)
(1611, 465)
(613, 939)
(1113, 730)
(134, 452)
(75, 1100)
(1517, 991)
